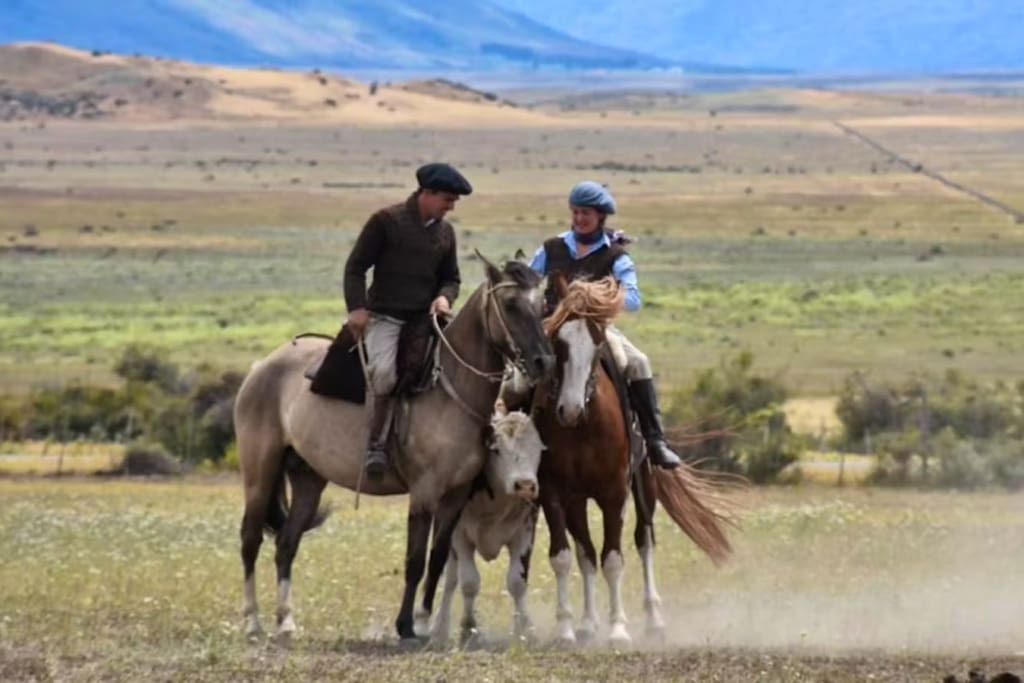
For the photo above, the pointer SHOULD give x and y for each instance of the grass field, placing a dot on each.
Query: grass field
(130, 580)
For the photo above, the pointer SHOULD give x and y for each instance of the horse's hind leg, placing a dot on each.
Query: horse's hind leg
(612, 566)
(252, 538)
(586, 556)
(263, 481)
(645, 501)
(307, 487)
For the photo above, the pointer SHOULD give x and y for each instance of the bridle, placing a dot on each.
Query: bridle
(517, 358)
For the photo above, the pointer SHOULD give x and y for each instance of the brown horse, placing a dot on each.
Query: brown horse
(284, 430)
(580, 419)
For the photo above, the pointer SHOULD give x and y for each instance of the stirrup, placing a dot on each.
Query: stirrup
(376, 464)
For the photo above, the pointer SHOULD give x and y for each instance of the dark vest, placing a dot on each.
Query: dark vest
(594, 266)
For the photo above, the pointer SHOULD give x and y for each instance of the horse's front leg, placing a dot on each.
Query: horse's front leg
(586, 556)
(612, 565)
(417, 537)
(445, 520)
(561, 562)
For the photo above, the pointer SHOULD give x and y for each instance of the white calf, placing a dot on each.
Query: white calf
(504, 515)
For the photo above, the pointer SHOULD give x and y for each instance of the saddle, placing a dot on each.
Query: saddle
(636, 441)
(338, 373)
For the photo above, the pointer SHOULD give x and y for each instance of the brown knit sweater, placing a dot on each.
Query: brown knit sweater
(412, 264)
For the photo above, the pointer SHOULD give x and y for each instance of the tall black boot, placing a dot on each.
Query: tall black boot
(376, 463)
(645, 403)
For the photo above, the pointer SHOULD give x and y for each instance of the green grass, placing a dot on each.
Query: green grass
(122, 580)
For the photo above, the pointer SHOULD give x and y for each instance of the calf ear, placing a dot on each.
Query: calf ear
(520, 255)
(500, 409)
(493, 274)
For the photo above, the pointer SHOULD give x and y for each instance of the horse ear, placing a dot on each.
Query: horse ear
(520, 255)
(560, 282)
(493, 274)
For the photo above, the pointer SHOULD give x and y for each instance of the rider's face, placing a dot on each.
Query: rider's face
(586, 219)
(435, 204)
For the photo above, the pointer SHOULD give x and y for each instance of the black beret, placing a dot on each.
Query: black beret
(442, 178)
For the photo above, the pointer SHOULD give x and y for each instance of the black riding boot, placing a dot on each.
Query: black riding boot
(376, 463)
(645, 403)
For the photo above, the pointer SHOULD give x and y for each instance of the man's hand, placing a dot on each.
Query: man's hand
(357, 321)
(440, 306)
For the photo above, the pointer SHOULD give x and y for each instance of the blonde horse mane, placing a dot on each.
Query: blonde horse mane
(600, 301)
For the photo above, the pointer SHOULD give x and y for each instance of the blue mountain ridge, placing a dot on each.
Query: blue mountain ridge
(395, 34)
(814, 36)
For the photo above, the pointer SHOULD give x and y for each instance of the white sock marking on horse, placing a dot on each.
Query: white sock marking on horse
(250, 609)
(613, 566)
(589, 624)
(285, 620)
(652, 601)
(562, 565)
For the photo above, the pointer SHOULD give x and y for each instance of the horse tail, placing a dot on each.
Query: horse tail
(278, 508)
(696, 502)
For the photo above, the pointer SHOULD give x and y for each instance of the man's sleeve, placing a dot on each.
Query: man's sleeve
(625, 272)
(363, 257)
(448, 275)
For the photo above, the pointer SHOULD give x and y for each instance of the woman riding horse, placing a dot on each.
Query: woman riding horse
(588, 251)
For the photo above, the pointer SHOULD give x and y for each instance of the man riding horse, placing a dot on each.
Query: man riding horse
(411, 249)
(589, 251)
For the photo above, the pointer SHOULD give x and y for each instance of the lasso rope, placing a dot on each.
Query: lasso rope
(600, 301)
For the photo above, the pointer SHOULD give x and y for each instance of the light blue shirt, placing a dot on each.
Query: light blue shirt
(623, 269)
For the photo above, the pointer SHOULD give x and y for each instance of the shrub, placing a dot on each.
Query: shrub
(731, 420)
(148, 459)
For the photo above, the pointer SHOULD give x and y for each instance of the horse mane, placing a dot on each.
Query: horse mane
(599, 300)
(521, 274)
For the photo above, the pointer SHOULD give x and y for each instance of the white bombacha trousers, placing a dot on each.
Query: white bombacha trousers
(381, 342)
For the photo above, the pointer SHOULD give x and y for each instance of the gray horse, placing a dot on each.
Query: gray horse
(284, 430)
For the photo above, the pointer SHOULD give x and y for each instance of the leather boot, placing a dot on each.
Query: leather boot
(645, 403)
(376, 463)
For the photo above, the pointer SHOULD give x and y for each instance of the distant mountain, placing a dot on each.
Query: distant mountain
(803, 35)
(378, 34)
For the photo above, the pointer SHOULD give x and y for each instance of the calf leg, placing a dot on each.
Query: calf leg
(519, 550)
(445, 520)
(469, 581)
(442, 624)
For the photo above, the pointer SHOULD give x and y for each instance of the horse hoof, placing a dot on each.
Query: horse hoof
(421, 623)
(471, 640)
(284, 639)
(412, 643)
(585, 636)
(619, 637)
